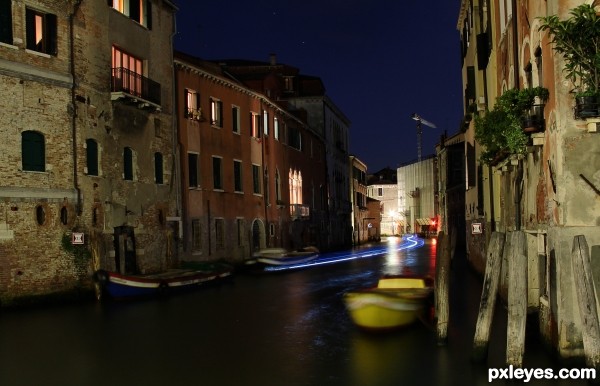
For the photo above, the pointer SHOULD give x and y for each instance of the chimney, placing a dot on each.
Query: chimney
(273, 59)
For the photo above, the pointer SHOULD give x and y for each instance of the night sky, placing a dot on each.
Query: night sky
(380, 60)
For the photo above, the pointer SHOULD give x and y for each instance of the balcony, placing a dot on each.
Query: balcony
(126, 84)
(299, 211)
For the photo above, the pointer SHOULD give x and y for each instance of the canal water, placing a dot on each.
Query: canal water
(277, 328)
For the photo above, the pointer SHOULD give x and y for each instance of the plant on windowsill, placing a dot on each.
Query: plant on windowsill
(577, 39)
(500, 131)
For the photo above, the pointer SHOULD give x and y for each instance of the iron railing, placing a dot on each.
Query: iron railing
(127, 81)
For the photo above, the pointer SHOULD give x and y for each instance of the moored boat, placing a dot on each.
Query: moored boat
(282, 257)
(395, 302)
(119, 286)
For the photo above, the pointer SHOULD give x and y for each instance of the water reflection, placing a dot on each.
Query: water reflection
(409, 261)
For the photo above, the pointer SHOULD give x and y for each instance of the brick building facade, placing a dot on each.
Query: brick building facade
(88, 142)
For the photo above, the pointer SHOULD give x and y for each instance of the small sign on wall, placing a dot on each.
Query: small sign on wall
(77, 238)
(476, 228)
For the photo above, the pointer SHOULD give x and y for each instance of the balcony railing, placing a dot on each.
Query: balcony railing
(299, 211)
(136, 85)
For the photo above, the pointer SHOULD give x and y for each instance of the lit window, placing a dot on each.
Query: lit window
(192, 105)
(266, 122)
(137, 10)
(127, 71)
(295, 178)
(276, 128)
(41, 31)
(216, 112)
(255, 125)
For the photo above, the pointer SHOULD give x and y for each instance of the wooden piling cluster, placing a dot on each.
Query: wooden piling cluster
(511, 248)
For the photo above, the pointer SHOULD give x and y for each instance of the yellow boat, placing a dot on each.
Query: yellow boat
(394, 303)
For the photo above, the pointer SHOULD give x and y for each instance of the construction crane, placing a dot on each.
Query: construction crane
(420, 122)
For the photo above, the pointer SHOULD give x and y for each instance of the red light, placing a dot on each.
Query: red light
(433, 222)
(434, 241)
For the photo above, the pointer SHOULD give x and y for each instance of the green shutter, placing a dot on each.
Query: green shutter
(6, 22)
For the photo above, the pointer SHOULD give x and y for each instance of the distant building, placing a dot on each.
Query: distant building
(358, 196)
(305, 96)
(254, 175)
(383, 187)
(417, 184)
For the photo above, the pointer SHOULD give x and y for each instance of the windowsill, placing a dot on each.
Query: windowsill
(257, 194)
(237, 133)
(38, 53)
(194, 188)
(219, 190)
(6, 45)
(238, 192)
(35, 171)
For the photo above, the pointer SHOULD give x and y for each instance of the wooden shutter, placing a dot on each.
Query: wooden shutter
(50, 34)
(6, 22)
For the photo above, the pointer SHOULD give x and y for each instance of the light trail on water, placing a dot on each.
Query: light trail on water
(409, 242)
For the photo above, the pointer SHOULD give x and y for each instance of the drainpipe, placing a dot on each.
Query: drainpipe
(74, 114)
(176, 179)
(519, 176)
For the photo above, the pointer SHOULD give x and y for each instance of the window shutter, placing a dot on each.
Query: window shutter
(92, 157)
(50, 34)
(110, 3)
(134, 10)
(149, 14)
(128, 164)
(220, 113)
(158, 168)
(6, 22)
(186, 108)
(33, 152)
(30, 29)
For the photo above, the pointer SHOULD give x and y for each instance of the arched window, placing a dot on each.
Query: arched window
(128, 164)
(91, 151)
(158, 168)
(33, 151)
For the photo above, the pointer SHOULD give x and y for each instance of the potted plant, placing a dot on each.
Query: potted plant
(577, 39)
(501, 130)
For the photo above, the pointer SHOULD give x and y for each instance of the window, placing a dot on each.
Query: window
(128, 164)
(33, 151)
(216, 112)
(277, 186)
(193, 170)
(380, 192)
(538, 64)
(266, 122)
(64, 215)
(295, 178)
(127, 71)
(40, 214)
(276, 128)
(137, 10)
(255, 125)
(240, 231)
(288, 83)
(158, 168)
(217, 173)
(295, 138)
(196, 236)
(6, 22)
(219, 233)
(91, 151)
(192, 105)
(256, 179)
(40, 31)
(272, 230)
(235, 119)
(237, 176)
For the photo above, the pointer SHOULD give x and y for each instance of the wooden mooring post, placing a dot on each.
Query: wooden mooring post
(442, 283)
(488, 296)
(517, 300)
(586, 297)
